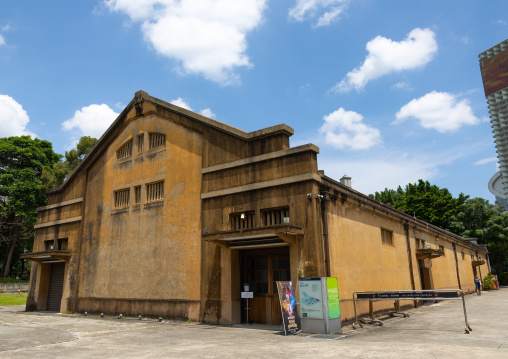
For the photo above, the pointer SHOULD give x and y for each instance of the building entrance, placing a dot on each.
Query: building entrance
(261, 269)
(55, 288)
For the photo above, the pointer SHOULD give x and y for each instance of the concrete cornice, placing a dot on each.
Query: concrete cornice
(60, 221)
(60, 204)
(260, 185)
(260, 158)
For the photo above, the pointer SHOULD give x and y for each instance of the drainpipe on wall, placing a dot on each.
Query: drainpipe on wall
(325, 198)
(410, 258)
(456, 264)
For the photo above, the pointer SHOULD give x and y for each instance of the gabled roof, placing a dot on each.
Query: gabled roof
(142, 96)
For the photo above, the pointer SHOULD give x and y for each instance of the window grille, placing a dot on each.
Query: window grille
(441, 249)
(122, 198)
(137, 194)
(62, 244)
(155, 191)
(141, 139)
(237, 222)
(387, 237)
(275, 216)
(157, 140)
(48, 245)
(124, 151)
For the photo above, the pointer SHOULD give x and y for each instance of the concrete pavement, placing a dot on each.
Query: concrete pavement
(431, 331)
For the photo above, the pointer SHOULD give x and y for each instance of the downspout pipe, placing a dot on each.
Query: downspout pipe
(324, 199)
(410, 259)
(456, 264)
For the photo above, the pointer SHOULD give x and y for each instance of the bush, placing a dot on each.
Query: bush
(488, 280)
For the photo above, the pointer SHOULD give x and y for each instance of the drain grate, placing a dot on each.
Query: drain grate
(328, 336)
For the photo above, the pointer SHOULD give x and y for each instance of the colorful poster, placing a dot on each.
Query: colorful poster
(288, 307)
(311, 298)
(332, 290)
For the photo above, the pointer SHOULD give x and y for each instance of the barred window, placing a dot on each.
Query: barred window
(242, 220)
(137, 194)
(157, 140)
(155, 191)
(124, 151)
(274, 216)
(141, 139)
(387, 237)
(63, 244)
(122, 198)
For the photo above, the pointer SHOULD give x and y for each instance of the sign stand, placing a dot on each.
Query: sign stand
(247, 295)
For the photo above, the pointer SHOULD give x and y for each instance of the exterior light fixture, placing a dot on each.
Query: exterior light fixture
(309, 195)
(242, 216)
(428, 246)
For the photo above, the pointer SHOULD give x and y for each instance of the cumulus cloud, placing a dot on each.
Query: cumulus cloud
(345, 129)
(440, 111)
(181, 103)
(326, 11)
(91, 120)
(13, 118)
(207, 112)
(206, 37)
(387, 56)
(485, 161)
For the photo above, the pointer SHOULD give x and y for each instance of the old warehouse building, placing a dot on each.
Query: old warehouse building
(172, 212)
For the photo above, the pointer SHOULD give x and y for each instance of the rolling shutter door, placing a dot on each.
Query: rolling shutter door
(56, 278)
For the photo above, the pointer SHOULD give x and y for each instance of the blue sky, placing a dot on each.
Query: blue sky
(390, 91)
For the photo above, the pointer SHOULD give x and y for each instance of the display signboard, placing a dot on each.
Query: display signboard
(288, 307)
(427, 263)
(311, 298)
(247, 295)
(495, 72)
(406, 295)
(332, 290)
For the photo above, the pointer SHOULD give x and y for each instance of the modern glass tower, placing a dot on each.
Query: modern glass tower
(494, 68)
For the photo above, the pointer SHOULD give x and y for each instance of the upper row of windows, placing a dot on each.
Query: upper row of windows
(154, 140)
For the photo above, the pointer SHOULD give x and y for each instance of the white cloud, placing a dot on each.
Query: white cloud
(387, 56)
(440, 111)
(13, 118)
(181, 103)
(345, 129)
(91, 120)
(2, 40)
(207, 112)
(206, 37)
(499, 22)
(485, 161)
(402, 86)
(326, 11)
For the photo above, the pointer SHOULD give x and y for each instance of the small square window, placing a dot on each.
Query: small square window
(155, 191)
(387, 237)
(122, 198)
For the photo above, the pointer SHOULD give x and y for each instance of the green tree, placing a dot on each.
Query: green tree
(62, 169)
(489, 224)
(22, 161)
(424, 201)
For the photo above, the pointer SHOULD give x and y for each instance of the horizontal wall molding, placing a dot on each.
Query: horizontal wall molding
(60, 221)
(259, 185)
(259, 158)
(60, 204)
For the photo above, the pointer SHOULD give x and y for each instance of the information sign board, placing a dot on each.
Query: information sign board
(332, 290)
(311, 298)
(247, 295)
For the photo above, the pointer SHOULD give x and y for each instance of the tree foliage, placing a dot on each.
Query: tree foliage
(424, 201)
(62, 169)
(22, 161)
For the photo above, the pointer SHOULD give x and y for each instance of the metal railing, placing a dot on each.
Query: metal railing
(397, 296)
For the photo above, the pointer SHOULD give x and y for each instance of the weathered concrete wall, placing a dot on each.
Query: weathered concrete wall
(148, 251)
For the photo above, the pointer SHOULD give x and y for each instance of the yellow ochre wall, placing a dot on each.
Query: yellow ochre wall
(149, 251)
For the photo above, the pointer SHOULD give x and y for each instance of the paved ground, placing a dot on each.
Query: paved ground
(435, 331)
